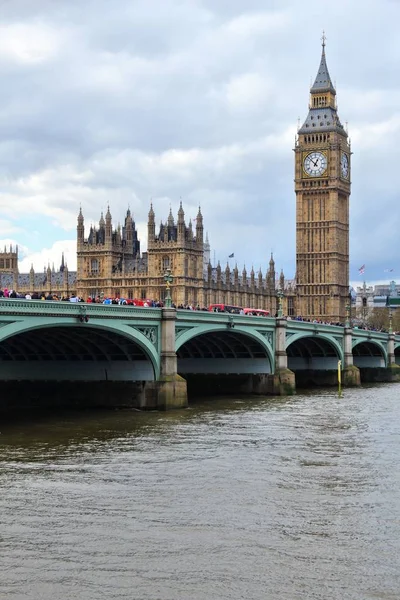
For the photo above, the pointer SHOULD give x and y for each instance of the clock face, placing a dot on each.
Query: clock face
(315, 164)
(344, 165)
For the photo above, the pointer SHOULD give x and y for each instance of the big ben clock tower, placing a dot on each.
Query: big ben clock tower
(322, 186)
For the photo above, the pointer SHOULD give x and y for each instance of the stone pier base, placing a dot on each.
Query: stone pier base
(351, 376)
(167, 393)
(394, 372)
(282, 383)
(380, 374)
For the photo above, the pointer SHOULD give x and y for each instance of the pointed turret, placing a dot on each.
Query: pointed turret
(80, 216)
(62, 266)
(252, 276)
(218, 272)
(206, 253)
(199, 228)
(227, 273)
(108, 236)
(236, 274)
(151, 226)
(171, 222)
(48, 275)
(127, 231)
(244, 276)
(32, 278)
(209, 272)
(271, 274)
(181, 224)
(272, 263)
(102, 222)
(80, 230)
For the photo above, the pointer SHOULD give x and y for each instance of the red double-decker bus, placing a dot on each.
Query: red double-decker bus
(256, 312)
(229, 308)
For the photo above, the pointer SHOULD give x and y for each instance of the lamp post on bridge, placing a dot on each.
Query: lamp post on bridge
(347, 322)
(390, 320)
(279, 294)
(168, 278)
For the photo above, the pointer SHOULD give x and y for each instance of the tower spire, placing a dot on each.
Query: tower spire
(323, 82)
(322, 115)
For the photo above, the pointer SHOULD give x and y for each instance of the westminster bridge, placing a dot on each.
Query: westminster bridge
(148, 356)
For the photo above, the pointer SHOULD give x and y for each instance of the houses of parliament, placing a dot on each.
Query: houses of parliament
(110, 262)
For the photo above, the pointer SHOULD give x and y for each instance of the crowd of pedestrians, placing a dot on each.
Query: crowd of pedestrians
(6, 293)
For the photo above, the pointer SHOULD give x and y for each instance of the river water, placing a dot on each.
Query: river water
(265, 498)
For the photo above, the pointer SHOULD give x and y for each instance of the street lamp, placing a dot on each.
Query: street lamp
(390, 320)
(168, 280)
(347, 322)
(279, 294)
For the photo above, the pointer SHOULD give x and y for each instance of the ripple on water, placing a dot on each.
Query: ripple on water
(294, 498)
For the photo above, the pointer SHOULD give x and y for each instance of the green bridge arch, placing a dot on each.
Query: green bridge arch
(373, 342)
(251, 333)
(148, 344)
(311, 335)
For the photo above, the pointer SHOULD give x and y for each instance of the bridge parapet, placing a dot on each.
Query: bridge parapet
(366, 334)
(49, 308)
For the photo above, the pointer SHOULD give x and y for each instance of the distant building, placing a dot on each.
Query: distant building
(60, 282)
(370, 297)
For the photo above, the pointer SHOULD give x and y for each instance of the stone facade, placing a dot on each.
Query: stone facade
(110, 265)
(62, 282)
(322, 186)
(9, 267)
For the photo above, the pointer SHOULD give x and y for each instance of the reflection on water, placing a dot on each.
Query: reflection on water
(294, 498)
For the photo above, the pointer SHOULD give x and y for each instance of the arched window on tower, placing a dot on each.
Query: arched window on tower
(94, 266)
(166, 263)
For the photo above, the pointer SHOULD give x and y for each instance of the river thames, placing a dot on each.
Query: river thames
(263, 498)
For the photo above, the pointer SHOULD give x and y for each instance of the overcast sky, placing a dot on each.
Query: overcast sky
(120, 102)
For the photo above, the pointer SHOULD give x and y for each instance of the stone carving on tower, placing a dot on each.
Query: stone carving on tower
(322, 186)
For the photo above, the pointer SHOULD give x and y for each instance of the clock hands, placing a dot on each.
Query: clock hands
(315, 164)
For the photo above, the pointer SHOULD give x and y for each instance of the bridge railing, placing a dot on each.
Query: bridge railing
(202, 316)
(12, 306)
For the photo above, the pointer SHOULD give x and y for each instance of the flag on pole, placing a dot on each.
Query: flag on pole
(361, 270)
(231, 255)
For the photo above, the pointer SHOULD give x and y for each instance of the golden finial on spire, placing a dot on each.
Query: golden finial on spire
(323, 39)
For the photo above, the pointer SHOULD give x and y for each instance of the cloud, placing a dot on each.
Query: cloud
(49, 256)
(117, 103)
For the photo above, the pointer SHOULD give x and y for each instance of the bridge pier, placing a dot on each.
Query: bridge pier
(351, 374)
(393, 368)
(283, 381)
(170, 390)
